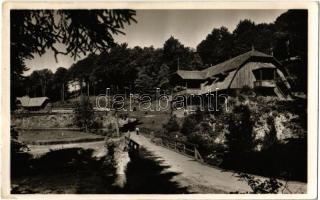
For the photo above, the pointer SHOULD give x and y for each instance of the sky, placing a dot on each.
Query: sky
(154, 27)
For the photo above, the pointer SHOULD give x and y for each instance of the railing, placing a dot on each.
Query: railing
(131, 144)
(185, 148)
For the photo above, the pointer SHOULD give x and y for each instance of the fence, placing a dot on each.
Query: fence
(186, 148)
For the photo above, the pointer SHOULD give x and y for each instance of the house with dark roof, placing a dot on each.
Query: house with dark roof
(253, 69)
(32, 104)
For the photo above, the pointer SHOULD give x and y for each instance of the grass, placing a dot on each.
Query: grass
(151, 120)
(31, 137)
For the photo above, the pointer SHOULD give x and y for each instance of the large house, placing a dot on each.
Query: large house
(253, 69)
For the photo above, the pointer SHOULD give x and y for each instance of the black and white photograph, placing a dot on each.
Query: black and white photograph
(159, 101)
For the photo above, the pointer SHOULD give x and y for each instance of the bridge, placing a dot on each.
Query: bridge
(185, 160)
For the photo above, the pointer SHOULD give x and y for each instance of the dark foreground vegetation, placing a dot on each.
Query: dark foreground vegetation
(264, 137)
(63, 171)
(76, 171)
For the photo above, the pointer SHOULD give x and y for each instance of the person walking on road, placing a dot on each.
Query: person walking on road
(137, 130)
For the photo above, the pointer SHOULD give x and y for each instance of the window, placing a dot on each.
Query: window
(265, 74)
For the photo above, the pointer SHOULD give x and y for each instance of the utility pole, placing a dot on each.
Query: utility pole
(178, 63)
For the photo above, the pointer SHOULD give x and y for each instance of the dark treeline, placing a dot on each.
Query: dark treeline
(138, 69)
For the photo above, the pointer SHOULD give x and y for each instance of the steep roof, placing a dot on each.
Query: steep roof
(223, 67)
(24, 100)
(219, 85)
(233, 63)
(195, 75)
(32, 102)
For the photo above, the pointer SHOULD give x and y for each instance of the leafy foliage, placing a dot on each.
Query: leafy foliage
(269, 186)
(189, 125)
(176, 55)
(172, 125)
(216, 47)
(16, 145)
(67, 32)
(240, 138)
(143, 69)
(84, 114)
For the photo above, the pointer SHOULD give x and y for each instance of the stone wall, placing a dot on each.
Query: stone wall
(57, 120)
(61, 120)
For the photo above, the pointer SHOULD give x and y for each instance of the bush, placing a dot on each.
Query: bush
(16, 145)
(269, 186)
(240, 137)
(270, 138)
(188, 125)
(172, 125)
(84, 114)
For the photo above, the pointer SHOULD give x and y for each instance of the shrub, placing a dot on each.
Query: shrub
(188, 125)
(16, 145)
(270, 138)
(269, 186)
(240, 137)
(206, 146)
(247, 91)
(84, 114)
(172, 125)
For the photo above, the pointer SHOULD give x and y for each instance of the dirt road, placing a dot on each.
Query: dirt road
(200, 178)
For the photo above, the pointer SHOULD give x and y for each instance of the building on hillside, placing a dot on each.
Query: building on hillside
(32, 104)
(253, 69)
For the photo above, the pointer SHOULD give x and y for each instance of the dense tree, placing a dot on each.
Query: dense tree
(217, 46)
(172, 125)
(80, 31)
(40, 82)
(176, 55)
(196, 62)
(163, 77)
(84, 113)
(59, 88)
(292, 28)
(244, 36)
(148, 70)
(291, 36)
(240, 138)
(81, 71)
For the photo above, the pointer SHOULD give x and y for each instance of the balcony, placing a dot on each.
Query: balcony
(264, 83)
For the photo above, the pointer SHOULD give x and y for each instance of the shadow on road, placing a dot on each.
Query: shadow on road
(146, 175)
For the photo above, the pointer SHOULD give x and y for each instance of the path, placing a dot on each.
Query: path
(198, 177)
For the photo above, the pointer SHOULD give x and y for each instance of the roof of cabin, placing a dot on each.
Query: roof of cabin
(196, 75)
(233, 63)
(32, 102)
(223, 67)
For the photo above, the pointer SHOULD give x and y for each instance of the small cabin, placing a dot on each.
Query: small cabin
(32, 104)
(253, 69)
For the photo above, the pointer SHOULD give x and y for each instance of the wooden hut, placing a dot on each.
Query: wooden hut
(32, 104)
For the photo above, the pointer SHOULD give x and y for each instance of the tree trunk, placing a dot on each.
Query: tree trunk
(86, 128)
(117, 124)
(88, 88)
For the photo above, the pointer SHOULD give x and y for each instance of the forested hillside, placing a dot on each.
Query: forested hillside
(142, 69)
